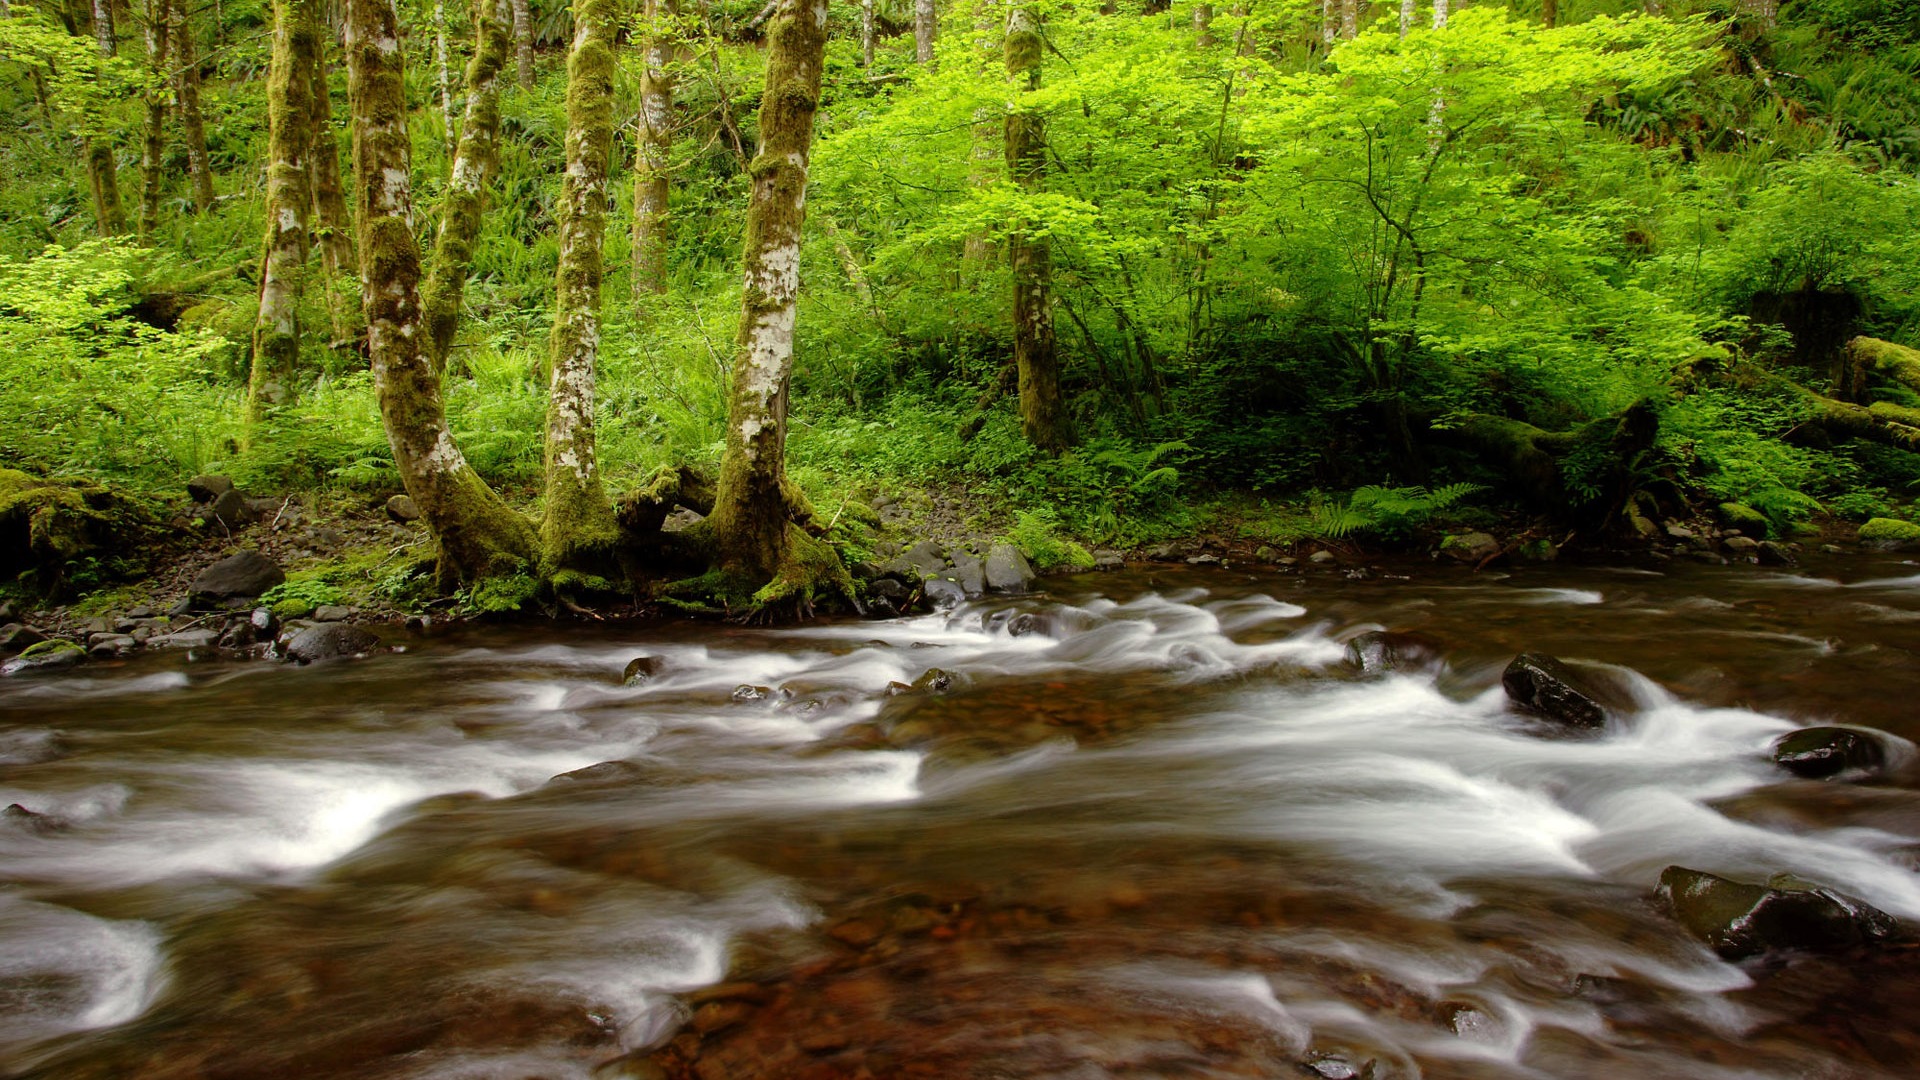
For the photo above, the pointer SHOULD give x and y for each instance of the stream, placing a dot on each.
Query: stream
(1154, 825)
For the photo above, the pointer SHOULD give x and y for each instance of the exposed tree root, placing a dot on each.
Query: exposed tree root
(1584, 475)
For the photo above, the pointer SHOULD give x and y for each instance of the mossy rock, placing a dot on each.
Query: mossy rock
(47, 525)
(1890, 534)
(1740, 516)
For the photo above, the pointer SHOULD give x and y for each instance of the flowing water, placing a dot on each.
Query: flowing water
(1156, 827)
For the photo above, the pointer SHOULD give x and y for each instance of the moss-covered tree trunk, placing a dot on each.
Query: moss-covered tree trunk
(579, 532)
(276, 331)
(523, 43)
(926, 26)
(102, 172)
(155, 145)
(443, 78)
(1031, 257)
(478, 535)
(473, 164)
(753, 510)
(332, 230)
(186, 92)
(653, 154)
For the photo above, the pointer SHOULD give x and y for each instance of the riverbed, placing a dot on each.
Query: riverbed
(1145, 824)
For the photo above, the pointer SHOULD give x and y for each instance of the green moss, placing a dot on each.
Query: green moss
(293, 607)
(53, 530)
(1889, 531)
(502, 594)
(44, 649)
(1743, 517)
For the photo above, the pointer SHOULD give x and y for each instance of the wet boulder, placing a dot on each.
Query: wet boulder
(184, 639)
(111, 646)
(1775, 553)
(1473, 547)
(935, 681)
(243, 574)
(1818, 753)
(1555, 690)
(970, 573)
(640, 669)
(46, 656)
(1889, 534)
(1739, 920)
(944, 590)
(1377, 652)
(746, 692)
(263, 624)
(15, 636)
(331, 641)
(926, 558)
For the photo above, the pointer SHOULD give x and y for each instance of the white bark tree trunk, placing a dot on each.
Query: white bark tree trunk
(276, 331)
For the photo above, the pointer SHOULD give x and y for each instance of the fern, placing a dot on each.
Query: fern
(1384, 510)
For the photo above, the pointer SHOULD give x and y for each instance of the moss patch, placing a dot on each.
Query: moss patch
(1889, 531)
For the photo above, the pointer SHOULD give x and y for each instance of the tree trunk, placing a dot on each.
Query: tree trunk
(753, 510)
(866, 33)
(651, 160)
(579, 533)
(155, 146)
(1439, 14)
(331, 228)
(276, 331)
(523, 43)
(1549, 13)
(1031, 258)
(443, 79)
(1329, 22)
(989, 140)
(926, 24)
(1349, 18)
(473, 164)
(102, 171)
(186, 89)
(1203, 25)
(478, 535)
(1406, 16)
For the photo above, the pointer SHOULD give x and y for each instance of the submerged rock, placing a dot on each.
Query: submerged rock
(1377, 652)
(1739, 920)
(1821, 752)
(606, 772)
(746, 692)
(640, 669)
(244, 574)
(1551, 688)
(21, 819)
(329, 641)
(46, 656)
(935, 681)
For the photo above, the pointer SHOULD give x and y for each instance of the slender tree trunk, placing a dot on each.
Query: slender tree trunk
(652, 156)
(866, 33)
(1439, 14)
(1329, 22)
(155, 146)
(478, 535)
(1349, 19)
(276, 332)
(443, 79)
(1203, 25)
(579, 533)
(1031, 258)
(186, 90)
(102, 171)
(926, 23)
(753, 508)
(1549, 13)
(1406, 16)
(332, 229)
(473, 164)
(989, 139)
(523, 43)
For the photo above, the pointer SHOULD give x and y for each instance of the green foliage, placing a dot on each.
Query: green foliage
(1037, 534)
(501, 595)
(310, 591)
(1387, 512)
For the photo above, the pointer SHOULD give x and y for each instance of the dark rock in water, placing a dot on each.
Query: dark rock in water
(640, 669)
(1109, 560)
(1738, 920)
(184, 639)
(14, 637)
(971, 574)
(1022, 624)
(879, 607)
(936, 681)
(1470, 547)
(245, 574)
(237, 635)
(896, 688)
(46, 656)
(402, 510)
(944, 591)
(1377, 652)
(232, 508)
(111, 646)
(329, 641)
(264, 624)
(606, 772)
(1552, 689)
(1333, 1067)
(208, 487)
(1775, 553)
(745, 693)
(21, 819)
(1820, 752)
(887, 588)
(419, 624)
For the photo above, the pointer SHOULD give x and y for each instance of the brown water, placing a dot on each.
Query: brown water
(1157, 829)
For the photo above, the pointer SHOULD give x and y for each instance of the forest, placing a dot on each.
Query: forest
(1075, 278)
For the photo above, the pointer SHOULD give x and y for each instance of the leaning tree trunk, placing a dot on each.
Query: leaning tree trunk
(276, 331)
(478, 535)
(155, 146)
(523, 43)
(473, 164)
(755, 506)
(186, 90)
(102, 173)
(651, 159)
(579, 532)
(926, 24)
(1031, 257)
(331, 229)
